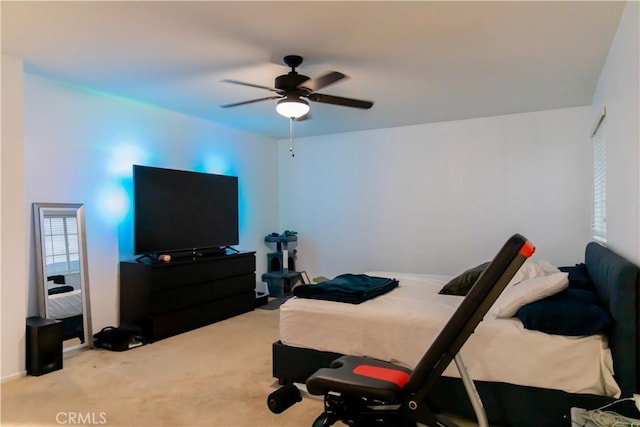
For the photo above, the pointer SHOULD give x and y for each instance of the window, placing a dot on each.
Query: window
(61, 244)
(599, 213)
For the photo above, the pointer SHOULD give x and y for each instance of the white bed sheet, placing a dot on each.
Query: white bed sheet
(63, 305)
(400, 326)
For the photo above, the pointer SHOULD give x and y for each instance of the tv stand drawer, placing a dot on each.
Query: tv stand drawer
(176, 322)
(166, 299)
(182, 273)
(176, 298)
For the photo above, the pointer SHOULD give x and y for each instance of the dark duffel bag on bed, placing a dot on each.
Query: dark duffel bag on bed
(117, 339)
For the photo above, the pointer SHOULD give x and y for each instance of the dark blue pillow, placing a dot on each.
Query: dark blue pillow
(578, 277)
(572, 312)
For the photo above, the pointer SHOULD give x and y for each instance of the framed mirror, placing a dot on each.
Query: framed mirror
(63, 281)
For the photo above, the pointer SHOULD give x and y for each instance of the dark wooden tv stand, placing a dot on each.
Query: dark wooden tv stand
(164, 299)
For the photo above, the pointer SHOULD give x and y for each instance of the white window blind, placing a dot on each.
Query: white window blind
(599, 214)
(61, 244)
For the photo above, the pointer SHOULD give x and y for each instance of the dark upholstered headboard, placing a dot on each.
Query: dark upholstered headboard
(617, 283)
(58, 279)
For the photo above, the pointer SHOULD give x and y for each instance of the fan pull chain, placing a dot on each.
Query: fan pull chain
(291, 140)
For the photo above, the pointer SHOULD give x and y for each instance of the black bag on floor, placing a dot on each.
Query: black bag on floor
(117, 339)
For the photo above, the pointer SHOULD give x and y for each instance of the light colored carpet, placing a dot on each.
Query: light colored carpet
(216, 376)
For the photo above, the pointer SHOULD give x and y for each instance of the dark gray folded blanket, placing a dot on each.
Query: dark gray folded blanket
(60, 289)
(351, 288)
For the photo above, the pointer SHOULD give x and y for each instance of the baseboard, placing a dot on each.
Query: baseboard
(13, 376)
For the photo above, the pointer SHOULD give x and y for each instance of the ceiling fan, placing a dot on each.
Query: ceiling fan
(292, 88)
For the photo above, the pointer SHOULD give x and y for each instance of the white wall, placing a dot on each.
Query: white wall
(439, 197)
(619, 91)
(13, 224)
(79, 146)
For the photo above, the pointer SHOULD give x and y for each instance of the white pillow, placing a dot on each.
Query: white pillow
(528, 291)
(528, 270)
(548, 268)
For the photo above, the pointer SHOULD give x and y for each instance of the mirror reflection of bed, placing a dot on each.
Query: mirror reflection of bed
(64, 303)
(62, 265)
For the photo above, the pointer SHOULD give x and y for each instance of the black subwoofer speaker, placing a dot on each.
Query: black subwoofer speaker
(44, 345)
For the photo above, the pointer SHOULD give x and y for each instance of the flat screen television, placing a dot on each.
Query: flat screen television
(179, 211)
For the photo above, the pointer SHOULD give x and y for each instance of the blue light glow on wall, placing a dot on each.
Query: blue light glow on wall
(215, 163)
(243, 215)
(115, 199)
(114, 202)
(123, 156)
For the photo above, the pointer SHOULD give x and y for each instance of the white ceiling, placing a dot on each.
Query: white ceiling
(420, 62)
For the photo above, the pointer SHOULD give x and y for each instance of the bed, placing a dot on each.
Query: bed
(554, 373)
(65, 303)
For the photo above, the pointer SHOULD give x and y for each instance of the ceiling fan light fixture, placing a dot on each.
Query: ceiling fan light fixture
(292, 107)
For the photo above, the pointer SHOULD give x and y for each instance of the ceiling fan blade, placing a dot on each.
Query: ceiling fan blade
(338, 100)
(322, 81)
(237, 82)
(251, 101)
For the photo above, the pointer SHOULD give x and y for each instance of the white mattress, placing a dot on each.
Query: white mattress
(400, 326)
(66, 304)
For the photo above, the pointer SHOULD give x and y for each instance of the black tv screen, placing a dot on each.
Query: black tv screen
(178, 210)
